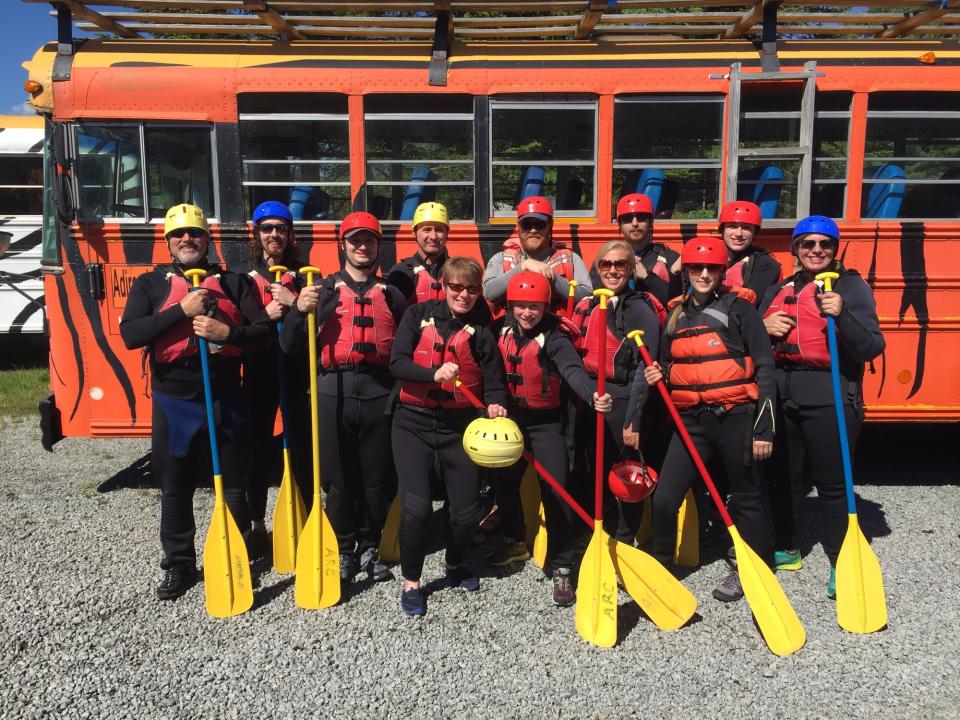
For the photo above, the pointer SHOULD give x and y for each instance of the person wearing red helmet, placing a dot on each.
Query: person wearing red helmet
(749, 265)
(535, 251)
(795, 314)
(715, 358)
(357, 316)
(653, 272)
(539, 354)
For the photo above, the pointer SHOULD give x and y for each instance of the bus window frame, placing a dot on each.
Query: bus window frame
(845, 182)
(40, 188)
(514, 103)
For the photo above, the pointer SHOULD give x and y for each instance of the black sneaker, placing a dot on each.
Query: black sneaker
(413, 602)
(257, 542)
(176, 581)
(729, 590)
(510, 552)
(563, 592)
(462, 578)
(375, 567)
(348, 568)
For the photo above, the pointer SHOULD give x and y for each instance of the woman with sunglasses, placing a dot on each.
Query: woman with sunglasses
(795, 314)
(749, 266)
(716, 360)
(273, 243)
(437, 342)
(626, 310)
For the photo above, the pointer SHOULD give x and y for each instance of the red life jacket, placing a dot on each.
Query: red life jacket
(262, 284)
(738, 274)
(806, 342)
(178, 342)
(709, 364)
(530, 381)
(587, 322)
(560, 261)
(359, 330)
(427, 288)
(432, 351)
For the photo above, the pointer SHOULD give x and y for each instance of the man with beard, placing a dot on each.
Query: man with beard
(165, 318)
(657, 269)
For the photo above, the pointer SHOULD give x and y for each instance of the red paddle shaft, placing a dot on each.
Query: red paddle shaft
(601, 389)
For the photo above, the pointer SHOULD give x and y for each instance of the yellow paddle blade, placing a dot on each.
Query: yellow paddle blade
(778, 622)
(288, 517)
(390, 537)
(540, 541)
(226, 568)
(687, 551)
(646, 522)
(318, 563)
(530, 500)
(597, 592)
(654, 588)
(861, 603)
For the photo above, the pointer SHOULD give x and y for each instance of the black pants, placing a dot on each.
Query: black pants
(730, 437)
(263, 455)
(544, 439)
(178, 478)
(419, 438)
(810, 453)
(356, 468)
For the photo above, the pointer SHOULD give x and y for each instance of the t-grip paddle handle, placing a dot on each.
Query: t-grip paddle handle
(278, 271)
(827, 278)
(571, 294)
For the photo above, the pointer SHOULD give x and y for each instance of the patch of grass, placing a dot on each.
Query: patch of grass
(21, 390)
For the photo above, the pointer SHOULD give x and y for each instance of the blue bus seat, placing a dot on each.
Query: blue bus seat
(762, 186)
(531, 184)
(885, 199)
(417, 194)
(649, 182)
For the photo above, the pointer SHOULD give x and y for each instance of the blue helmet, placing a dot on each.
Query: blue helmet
(817, 224)
(272, 209)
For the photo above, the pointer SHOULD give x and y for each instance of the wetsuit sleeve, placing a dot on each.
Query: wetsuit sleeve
(561, 286)
(402, 366)
(491, 364)
(495, 281)
(640, 316)
(766, 272)
(401, 277)
(258, 330)
(568, 363)
(397, 302)
(293, 335)
(140, 325)
(858, 327)
(757, 345)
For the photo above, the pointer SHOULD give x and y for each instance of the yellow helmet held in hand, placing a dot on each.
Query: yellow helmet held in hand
(184, 216)
(493, 442)
(432, 212)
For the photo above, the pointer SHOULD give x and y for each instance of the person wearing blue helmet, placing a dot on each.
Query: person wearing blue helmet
(795, 315)
(272, 244)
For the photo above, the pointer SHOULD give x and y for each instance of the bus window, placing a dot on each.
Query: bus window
(108, 170)
(545, 145)
(669, 148)
(21, 184)
(912, 156)
(419, 148)
(179, 168)
(295, 149)
(831, 129)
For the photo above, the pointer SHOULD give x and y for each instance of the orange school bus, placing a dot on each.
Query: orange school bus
(434, 105)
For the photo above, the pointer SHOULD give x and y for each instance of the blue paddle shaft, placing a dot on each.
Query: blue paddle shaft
(841, 416)
(208, 397)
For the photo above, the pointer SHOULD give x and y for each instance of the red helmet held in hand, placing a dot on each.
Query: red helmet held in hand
(631, 480)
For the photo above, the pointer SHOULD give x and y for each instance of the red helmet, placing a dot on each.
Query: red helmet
(528, 286)
(704, 251)
(631, 480)
(535, 206)
(357, 221)
(634, 203)
(741, 211)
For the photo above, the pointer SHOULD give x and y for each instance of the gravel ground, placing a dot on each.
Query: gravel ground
(82, 634)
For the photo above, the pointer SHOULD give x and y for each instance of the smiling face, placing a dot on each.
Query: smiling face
(615, 269)
(274, 234)
(635, 228)
(534, 234)
(361, 248)
(738, 236)
(461, 294)
(816, 252)
(703, 279)
(188, 246)
(528, 314)
(431, 238)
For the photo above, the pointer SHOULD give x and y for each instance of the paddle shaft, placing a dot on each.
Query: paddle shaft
(828, 279)
(281, 368)
(314, 409)
(601, 389)
(571, 295)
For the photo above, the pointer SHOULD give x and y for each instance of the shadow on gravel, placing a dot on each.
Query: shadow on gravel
(137, 475)
(265, 595)
(870, 516)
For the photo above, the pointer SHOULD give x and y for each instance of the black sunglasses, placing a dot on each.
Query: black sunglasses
(457, 288)
(828, 244)
(605, 265)
(628, 219)
(533, 224)
(267, 228)
(192, 232)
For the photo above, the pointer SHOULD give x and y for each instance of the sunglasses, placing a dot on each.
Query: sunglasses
(827, 244)
(628, 219)
(267, 228)
(532, 224)
(195, 233)
(699, 268)
(457, 288)
(604, 265)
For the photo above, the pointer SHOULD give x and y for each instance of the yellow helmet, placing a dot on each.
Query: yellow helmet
(430, 212)
(493, 443)
(184, 216)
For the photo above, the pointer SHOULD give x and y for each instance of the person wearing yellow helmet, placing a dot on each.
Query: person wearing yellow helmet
(419, 277)
(165, 318)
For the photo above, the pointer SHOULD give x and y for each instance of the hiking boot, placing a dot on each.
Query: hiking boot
(787, 559)
(563, 593)
(413, 602)
(832, 584)
(729, 589)
(374, 566)
(257, 541)
(731, 557)
(462, 578)
(348, 568)
(176, 581)
(510, 552)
